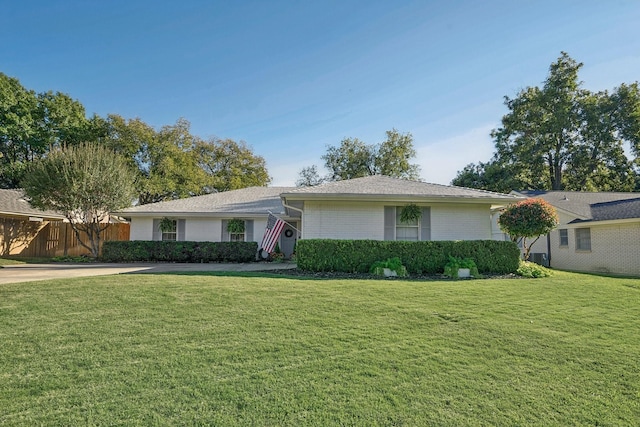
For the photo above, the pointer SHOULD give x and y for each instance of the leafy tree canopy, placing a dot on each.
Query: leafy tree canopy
(354, 158)
(84, 183)
(231, 165)
(31, 124)
(562, 136)
(170, 162)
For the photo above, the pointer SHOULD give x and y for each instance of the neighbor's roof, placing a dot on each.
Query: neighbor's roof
(384, 187)
(13, 202)
(592, 206)
(248, 201)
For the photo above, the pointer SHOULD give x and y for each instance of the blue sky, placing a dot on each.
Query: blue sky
(291, 77)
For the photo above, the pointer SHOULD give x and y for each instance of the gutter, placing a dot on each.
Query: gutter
(284, 203)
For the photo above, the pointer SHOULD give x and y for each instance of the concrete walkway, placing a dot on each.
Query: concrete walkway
(32, 272)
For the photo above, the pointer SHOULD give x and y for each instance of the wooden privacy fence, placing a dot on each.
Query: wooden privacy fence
(49, 239)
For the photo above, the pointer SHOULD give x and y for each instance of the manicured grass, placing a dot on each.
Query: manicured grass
(213, 350)
(15, 261)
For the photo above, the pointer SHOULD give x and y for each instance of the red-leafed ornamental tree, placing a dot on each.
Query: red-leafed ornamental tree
(529, 218)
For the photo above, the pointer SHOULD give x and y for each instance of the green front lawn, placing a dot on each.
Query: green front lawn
(212, 350)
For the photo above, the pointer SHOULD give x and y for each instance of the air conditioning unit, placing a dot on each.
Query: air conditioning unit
(539, 258)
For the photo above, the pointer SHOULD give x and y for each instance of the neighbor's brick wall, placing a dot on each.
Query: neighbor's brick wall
(615, 248)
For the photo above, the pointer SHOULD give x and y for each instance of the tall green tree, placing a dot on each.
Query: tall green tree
(17, 127)
(354, 158)
(84, 183)
(32, 124)
(309, 177)
(562, 136)
(166, 161)
(231, 165)
(393, 156)
(351, 159)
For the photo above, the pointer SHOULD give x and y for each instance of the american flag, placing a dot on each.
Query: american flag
(271, 233)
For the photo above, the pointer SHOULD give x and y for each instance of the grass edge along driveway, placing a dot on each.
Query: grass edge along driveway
(213, 350)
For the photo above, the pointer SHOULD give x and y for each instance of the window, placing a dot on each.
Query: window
(407, 230)
(583, 239)
(170, 232)
(564, 237)
(237, 230)
(394, 229)
(236, 237)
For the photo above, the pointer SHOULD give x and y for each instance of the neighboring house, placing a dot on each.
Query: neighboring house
(598, 232)
(361, 208)
(19, 222)
(29, 232)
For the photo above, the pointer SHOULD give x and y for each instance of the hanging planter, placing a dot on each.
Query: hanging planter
(235, 226)
(167, 225)
(410, 213)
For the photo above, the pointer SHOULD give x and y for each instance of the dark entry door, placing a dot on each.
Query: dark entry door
(288, 239)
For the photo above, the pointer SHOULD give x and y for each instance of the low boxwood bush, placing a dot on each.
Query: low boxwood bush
(357, 256)
(166, 251)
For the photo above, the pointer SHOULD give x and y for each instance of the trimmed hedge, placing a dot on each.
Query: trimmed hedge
(357, 256)
(168, 251)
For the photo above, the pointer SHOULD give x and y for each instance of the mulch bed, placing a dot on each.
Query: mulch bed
(295, 272)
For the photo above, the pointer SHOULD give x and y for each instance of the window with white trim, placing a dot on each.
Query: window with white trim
(583, 239)
(171, 233)
(564, 237)
(236, 237)
(409, 231)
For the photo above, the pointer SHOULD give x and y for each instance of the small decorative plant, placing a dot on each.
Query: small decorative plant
(167, 225)
(393, 264)
(532, 270)
(410, 213)
(235, 226)
(276, 255)
(452, 268)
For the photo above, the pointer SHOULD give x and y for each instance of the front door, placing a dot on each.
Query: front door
(288, 239)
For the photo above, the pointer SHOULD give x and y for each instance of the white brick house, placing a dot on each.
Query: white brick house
(361, 208)
(598, 232)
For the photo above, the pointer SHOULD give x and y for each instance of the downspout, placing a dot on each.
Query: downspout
(284, 203)
(549, 249)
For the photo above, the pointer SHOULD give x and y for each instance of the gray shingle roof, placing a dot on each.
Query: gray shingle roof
(12, 202)
(249, 201)
(384, 186)
(592, 206)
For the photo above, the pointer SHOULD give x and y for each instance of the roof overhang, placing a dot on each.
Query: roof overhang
(27, 215)
(397, 198)
(592, 222)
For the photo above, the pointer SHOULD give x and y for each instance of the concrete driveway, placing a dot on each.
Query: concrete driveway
(33, 272)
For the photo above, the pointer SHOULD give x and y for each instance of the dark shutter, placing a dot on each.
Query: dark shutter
(248, 230)
(180, 229)
(156, 233)
(389, 223)
(225, 232)
(425, 224)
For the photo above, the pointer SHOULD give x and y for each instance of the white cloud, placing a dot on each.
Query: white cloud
(441, 160)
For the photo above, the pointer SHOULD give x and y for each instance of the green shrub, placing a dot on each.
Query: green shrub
(455, 263)
(393, 264)
(532, 270)
(169, 251)
(357, 256)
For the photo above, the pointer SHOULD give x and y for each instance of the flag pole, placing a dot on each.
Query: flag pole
(284, 221)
